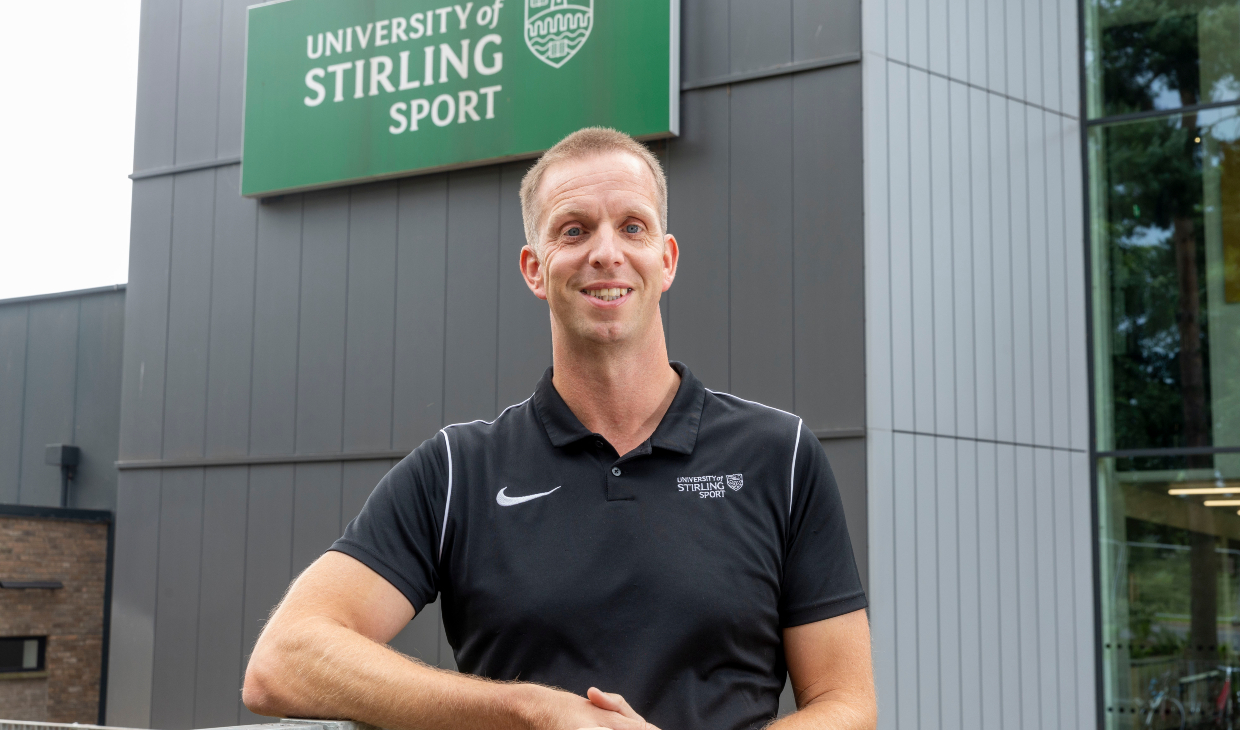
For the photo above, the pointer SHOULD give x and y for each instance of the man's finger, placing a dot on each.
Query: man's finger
(612, 702)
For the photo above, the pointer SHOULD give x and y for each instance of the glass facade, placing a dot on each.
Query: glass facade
(1163, 105)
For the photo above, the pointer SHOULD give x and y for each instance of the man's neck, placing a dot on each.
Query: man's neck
(619, 392)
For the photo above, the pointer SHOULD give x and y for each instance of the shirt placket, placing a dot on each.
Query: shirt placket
(619, 483)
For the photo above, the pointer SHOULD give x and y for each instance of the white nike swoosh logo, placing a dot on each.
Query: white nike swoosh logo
(505, 501)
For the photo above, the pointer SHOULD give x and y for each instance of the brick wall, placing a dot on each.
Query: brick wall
(74, 553)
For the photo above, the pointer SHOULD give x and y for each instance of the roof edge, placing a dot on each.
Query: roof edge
(64, 294)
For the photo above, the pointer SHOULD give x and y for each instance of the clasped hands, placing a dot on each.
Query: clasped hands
(601, 711)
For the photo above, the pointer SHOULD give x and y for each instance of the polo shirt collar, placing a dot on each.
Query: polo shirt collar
(676, 432)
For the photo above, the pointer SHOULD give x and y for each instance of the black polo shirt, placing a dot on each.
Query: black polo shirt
(665, 574)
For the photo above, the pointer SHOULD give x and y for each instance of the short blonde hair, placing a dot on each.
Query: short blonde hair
(584, 143)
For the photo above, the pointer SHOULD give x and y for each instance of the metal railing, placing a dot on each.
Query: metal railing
(281, 725)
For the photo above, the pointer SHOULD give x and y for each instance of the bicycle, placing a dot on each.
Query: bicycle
(1161, 701)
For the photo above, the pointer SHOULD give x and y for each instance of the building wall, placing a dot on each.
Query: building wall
(60, 382)
(979, 504)
(280, 355)
(75, 553)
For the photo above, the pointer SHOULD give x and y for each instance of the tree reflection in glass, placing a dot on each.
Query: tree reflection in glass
(1162, 54)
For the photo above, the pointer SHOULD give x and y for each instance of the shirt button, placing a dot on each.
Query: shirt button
(615, 471)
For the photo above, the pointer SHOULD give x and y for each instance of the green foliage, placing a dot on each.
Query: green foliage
(1166, 53)
(1153, 184)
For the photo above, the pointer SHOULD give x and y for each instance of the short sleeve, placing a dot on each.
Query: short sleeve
(820, 574)
(397, 532)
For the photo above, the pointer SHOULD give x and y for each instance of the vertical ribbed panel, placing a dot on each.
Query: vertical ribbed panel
(979, 526)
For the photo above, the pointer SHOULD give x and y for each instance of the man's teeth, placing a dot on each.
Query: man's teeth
(607, 295)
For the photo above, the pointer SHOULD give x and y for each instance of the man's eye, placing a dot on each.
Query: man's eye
(632, 228)
(574, 231)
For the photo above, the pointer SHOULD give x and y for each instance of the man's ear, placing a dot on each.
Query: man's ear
(532, 272)
(671, 257)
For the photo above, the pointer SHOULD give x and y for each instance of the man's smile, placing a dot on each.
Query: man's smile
(609, 294)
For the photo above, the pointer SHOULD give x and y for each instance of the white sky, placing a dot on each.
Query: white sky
(66, 144)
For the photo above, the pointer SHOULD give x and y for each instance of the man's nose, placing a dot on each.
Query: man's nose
(607, 250)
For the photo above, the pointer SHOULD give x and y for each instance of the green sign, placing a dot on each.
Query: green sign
(339, 91)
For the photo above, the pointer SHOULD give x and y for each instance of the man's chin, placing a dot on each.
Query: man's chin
(606, 328)
(609, 333)
(603, 334)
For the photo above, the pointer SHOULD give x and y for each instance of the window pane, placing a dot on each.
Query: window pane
(21, 654)
(1165, 196)
(1170, 588)
(1161, 54)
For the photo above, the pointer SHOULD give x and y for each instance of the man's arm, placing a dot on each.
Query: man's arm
(323, 654)
(832, 676)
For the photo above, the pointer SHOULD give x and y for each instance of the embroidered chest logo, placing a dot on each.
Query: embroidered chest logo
(710, 486)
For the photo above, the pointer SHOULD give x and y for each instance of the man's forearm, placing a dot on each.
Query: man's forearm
(317, 668)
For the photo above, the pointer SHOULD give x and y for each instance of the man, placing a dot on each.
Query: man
(623, 529)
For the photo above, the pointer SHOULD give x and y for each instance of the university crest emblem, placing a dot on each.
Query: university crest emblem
(736, 481)
(556, 29)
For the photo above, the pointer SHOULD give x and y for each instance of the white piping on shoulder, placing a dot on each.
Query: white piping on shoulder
(754, 402)
(792, 480)
(443, 532)
(493, 420)
(796, 444)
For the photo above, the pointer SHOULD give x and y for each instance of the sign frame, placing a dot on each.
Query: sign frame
(674, 91)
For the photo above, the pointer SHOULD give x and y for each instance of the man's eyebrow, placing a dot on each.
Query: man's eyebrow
(640, 210)
(573, 212)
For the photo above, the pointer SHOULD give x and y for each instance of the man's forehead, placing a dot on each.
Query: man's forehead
(602, 175)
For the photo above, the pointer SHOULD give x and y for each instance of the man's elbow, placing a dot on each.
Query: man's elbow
(855, 711)
(869, 715)
(865, 708)
(261, 691)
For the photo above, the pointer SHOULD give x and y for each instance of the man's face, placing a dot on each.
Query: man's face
(604, 259)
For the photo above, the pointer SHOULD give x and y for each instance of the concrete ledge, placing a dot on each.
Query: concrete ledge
(5, 676)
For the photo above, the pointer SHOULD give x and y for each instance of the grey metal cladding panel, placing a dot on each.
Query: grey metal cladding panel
(822, 28)
(154, 125)
(828, 248)
(146, 320)
(420, 637)
(421, 260)
(12, 393)
(760, 34)
(359, 479)
(760, 214)
(472, 295)
(176, 624)
(316, 511)
(847, 457)
(221, 600)
(703, 24)
(97, 411)
(135, 565)
(273, 397)
(447, 657)
(232, 318)
(697, 171)
(198, 81)
(268, 553)
(189, 314)
(371, 318)
(232, 78)
(524, 321)
(320, 351)
(51, 364)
